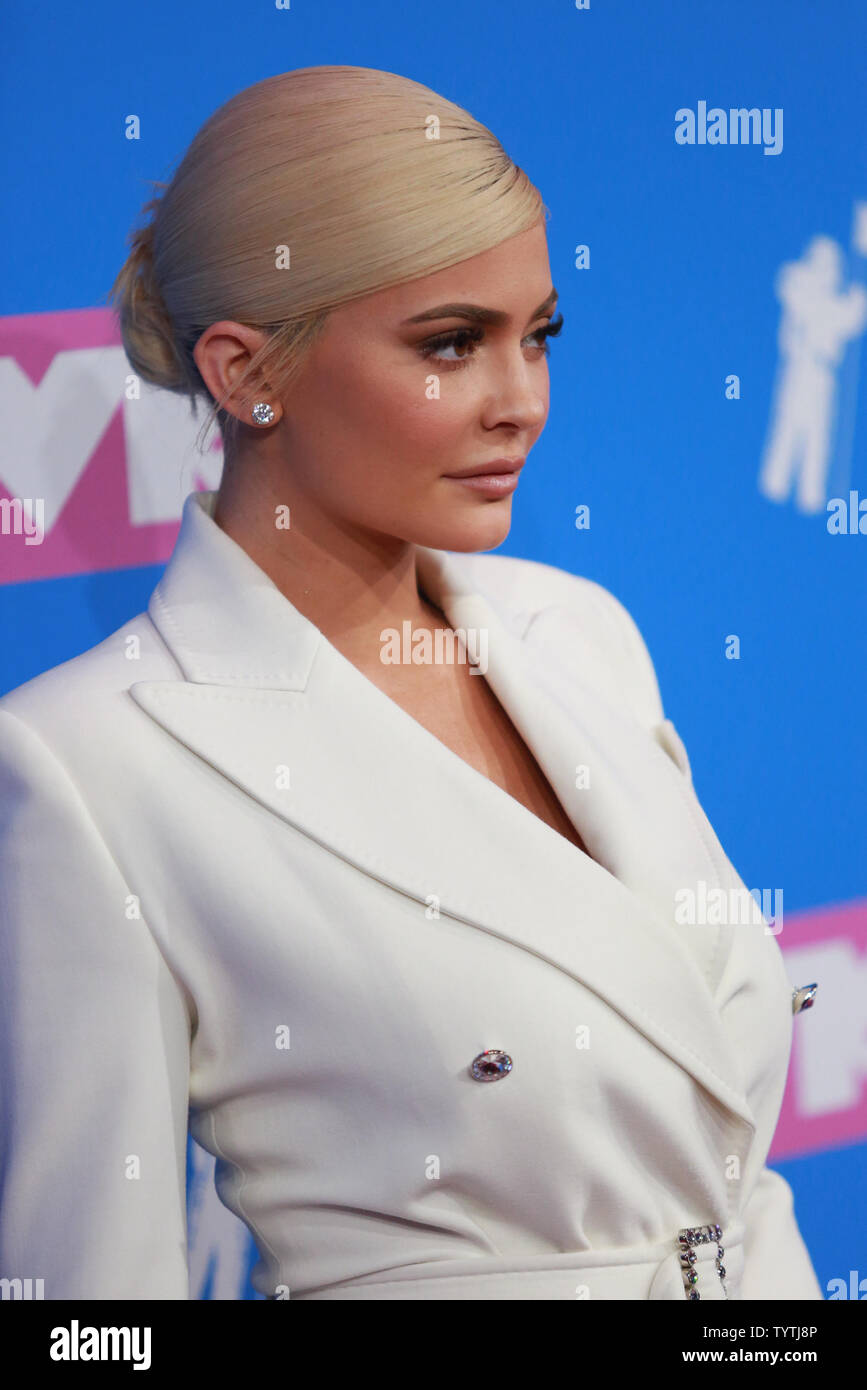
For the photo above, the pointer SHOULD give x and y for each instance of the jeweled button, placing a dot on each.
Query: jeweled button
(803, 998)
(490, 1065)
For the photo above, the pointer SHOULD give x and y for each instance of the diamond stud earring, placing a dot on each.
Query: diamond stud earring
(262, 413)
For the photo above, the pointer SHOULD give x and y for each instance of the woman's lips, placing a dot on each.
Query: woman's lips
(489, 484)
(496, 479)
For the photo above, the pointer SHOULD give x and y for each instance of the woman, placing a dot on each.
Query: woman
(361, 843)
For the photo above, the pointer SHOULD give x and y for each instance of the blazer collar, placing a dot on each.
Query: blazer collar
(263, 686)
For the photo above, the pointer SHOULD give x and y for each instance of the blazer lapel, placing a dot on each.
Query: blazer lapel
(264, 689)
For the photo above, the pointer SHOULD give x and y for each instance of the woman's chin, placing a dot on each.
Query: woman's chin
(480, 527)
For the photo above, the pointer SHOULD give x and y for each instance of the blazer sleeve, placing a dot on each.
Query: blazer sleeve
(776, 1257)
(777, 1264)
(94, 1054)
(636, 672)
(649, 703)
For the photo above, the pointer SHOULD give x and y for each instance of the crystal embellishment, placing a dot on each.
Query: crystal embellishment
(687, 1239)
(490, 1065)
(803, 998)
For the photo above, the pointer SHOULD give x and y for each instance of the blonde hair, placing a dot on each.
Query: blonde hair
(367, 178)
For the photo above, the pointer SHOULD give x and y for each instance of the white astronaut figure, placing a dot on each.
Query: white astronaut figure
(817, 322)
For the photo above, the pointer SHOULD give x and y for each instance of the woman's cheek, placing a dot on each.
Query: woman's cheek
(434, 412)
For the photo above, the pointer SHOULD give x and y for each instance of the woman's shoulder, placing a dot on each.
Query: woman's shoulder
(580, 614)
(532, 583)
(71, 702)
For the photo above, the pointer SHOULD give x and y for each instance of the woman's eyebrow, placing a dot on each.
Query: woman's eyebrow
(476, 314)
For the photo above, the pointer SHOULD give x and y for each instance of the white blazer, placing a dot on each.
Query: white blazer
(236, 876)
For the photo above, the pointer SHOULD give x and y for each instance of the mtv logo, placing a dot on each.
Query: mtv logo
(107, 455)
(832, 1051)
(825, 1099)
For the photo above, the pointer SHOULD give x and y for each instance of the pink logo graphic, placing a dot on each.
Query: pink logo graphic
(825, 1101)
(94, 463)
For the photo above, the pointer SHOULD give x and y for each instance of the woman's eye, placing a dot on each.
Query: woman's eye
(460, 340)
(464, 342)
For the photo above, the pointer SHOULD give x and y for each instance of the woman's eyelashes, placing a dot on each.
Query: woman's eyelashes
(463, 338)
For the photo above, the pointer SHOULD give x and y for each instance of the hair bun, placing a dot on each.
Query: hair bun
(145, 325)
